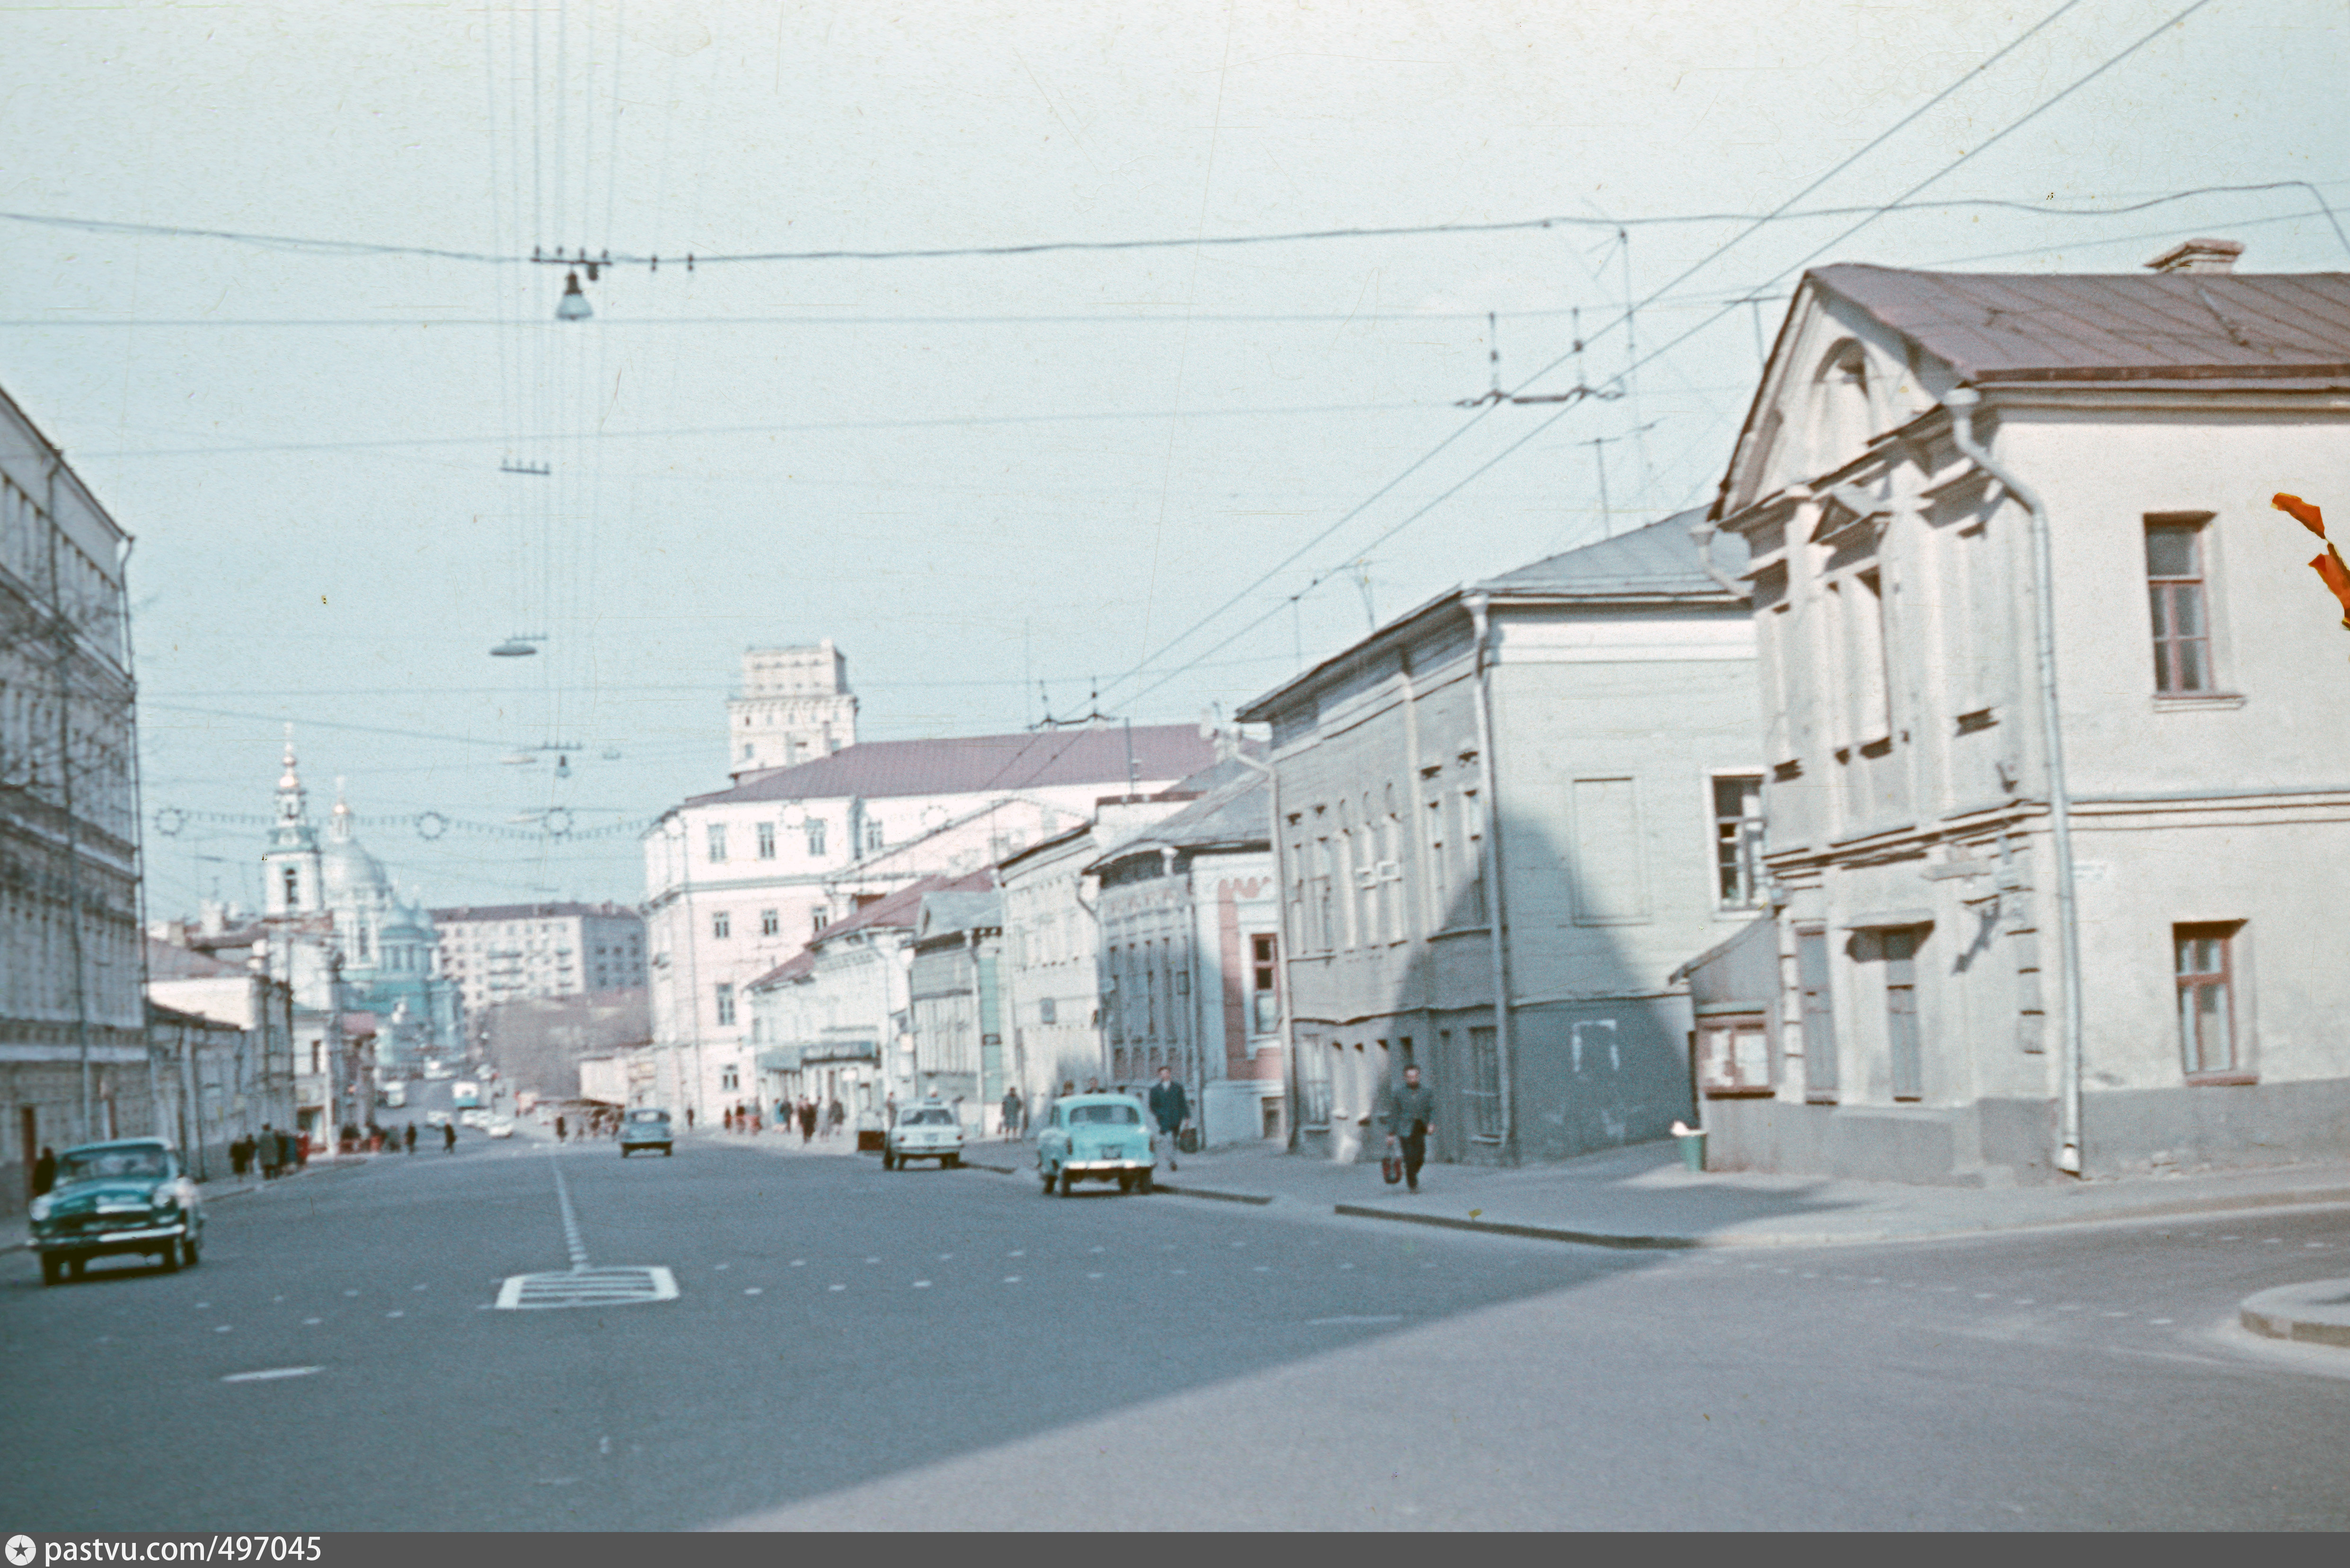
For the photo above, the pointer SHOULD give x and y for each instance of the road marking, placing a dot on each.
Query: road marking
(839, 1287)
(1023, 1252)
(1011, 1279)
(872, 1259)
(307, 1322)
(351, 1292)
(754, 1291)
(1984, 1295)
(411, 1287)
(2116, 1314)
(1334, 1321)
(588, 1287)
(2026, 1301)
(272, 1374)
(222, 1329)
(2162, 1320)
(722, 1268)
(395, 1315)
(1267, 1268)
(571, 1241)
(202, 1305)
(921, 1284)
(1093, 1276)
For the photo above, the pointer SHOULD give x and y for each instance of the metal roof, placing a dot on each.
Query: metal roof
(2036, 326)
(1236, 817)
(957, 912)
(1659, 558)
(974, 764)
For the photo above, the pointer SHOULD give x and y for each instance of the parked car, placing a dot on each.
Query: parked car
(1096, 1138)
(645, 1127)
(129, 1195)
(436, 1118)
(502, 1127)
(927, 1131)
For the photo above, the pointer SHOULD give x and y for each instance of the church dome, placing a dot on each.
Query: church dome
(349, 877)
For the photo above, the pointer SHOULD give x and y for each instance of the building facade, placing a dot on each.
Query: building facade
(499, 954)
(1504, 820)
(739, 880)
(2016, 575)
(955, 986)
(1191, 959)
(794, 706)
(73, 1037)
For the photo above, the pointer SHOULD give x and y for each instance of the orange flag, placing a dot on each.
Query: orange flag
(2309, 516)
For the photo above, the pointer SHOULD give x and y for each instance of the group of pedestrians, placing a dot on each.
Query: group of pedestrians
(273, 1151)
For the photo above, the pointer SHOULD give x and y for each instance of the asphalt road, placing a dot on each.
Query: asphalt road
(851, 1347)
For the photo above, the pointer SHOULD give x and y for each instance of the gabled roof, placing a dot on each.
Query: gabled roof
(800, 963)
(951, 913)
(1658, 558)
(2033, 326)
(902, 908)
(1234, 817)
(976, 764)
(1657, 564)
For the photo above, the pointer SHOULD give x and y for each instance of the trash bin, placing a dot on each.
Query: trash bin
(1692, 1149)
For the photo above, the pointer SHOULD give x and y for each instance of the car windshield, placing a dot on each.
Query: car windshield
(927, 1118)
(649, 1115)
(99, 1163)
(1112, 1116)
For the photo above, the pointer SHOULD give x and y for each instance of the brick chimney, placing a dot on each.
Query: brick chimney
(2199, 255)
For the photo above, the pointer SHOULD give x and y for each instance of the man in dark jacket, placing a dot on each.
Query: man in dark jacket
(1410, 1113)
(1169, 1109)
(44, 1171)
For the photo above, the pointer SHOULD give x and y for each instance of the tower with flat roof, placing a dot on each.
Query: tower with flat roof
(794, 707)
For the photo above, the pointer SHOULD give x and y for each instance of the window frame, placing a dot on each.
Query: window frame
(1754, 869)
(2204, 538)
(2231, 978)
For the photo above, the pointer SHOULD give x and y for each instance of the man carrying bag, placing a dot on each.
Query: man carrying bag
(1411, 1113)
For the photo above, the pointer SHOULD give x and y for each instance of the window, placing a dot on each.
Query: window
(1047, 1012)
(1473, 855)
(722, 925)
(816, 835)
(1438, 881)
(1318, 908)
(873, 839)
(2182, 634)
(1738, 841)
(725, 1005)
(717, 841)
(2202, 959)
(293, 888)
(766, 841)
(1483, 1099)
(770, 923)
(1265, 1017)
(1314, 1082)
(821, 919)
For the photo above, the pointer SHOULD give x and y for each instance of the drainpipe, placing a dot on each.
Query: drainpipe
(1703, 533)
(1497, 911)
(1961, 403)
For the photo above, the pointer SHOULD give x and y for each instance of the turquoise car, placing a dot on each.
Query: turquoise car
(130, 1195)
(1096, 1138)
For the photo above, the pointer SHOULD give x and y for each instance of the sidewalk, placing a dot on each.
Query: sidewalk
(1642, 1198)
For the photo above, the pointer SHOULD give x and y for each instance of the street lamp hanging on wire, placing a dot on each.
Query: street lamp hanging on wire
(573, 306)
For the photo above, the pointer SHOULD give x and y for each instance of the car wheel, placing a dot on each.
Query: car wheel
(53, 1268)
(74, 1267)
(1142, 1183)
(1048, 1181)
(952, 1162)
(888, 1161)
(168, 1260)
(624, 1151)
(191, 1252)
(1068, 1183)
(667, 1151)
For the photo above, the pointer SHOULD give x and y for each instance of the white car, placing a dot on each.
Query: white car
(502, 1127)
(473, 1118)
(927, 1131)
(436, 1118)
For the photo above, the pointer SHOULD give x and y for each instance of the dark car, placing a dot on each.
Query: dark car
(644, 1127)
(129, 1195)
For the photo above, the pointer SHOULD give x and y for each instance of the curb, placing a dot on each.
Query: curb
(2317, 1313)
(1540, 1233)
(1255, 1198)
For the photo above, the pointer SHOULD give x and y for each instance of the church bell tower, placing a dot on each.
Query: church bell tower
(289, 867)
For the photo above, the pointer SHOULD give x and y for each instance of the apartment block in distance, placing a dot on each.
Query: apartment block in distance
(512, 952)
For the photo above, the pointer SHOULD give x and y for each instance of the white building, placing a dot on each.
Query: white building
(1051, 970)
(517, 952)
(73, 1053)
(738, 880)
(1504, 819)
(1939, 471)
(1191, 964)
(794, 706)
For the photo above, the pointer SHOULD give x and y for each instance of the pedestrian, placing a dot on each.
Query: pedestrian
(240, 1155)
(408, 1138)
(267, 1150)
(1170, 1108)
(726, 1119)
(1411, 1116)
(689, 1118)
(835, 1118)
(448, 1138)
(561, 1131)
(44, 1171)
(1012, 1125)
(1093, 1087)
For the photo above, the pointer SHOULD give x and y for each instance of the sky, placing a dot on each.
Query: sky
(1149, 481)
